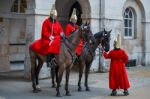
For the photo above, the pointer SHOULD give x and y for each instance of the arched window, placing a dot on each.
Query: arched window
(128, 23)
(19, 6)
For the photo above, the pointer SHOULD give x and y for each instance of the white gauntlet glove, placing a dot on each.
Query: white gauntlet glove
(51, 38)
(62, 34)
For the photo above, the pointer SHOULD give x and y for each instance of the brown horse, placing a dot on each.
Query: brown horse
(64, 60)
(89, 49)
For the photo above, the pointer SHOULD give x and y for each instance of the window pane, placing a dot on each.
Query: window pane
(127, 10)
(130, 23)
(23, 6)
(19, 6)
(126, 23)
(130, 32)
(15, 6)
(126, 32)
(130, 14)
(126, 16)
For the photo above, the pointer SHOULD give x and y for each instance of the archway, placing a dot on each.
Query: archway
(65, 8)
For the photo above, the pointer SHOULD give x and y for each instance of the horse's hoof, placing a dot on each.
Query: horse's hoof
(88, 89)
(39, 89)
(68, 94)
(58, 95)
(79, 89)
(35, 91)
(53, 86)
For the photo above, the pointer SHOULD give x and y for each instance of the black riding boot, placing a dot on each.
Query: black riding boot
(126, 92)
(77, 60)
(114, 92)
(48, 60)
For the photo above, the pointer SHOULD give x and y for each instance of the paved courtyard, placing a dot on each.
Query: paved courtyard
(13, 86)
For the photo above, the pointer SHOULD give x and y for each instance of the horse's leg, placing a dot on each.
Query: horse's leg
(56, 73)
(81, 67)
(67, 81)
(40, 64)
(59, 75)
(33, 70)
(86, 76)
(53, 76)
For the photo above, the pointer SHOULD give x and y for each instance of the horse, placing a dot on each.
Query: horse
(89, 49)
(64, 60)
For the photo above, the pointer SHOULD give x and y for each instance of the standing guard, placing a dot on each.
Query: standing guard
(118, 78)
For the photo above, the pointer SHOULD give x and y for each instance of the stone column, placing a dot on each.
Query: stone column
(4, 46)
(147, 43)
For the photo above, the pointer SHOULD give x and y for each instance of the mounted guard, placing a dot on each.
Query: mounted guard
(49, 44)
(71, 27)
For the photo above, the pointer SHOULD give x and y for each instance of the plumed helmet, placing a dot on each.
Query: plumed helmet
(53, 10)
(73, 16)
(117, 41)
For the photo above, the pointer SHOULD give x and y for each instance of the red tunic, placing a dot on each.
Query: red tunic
(118, 78)
(69, 29)
(43, 46)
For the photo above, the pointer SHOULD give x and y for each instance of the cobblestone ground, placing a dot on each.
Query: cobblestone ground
(12, 86)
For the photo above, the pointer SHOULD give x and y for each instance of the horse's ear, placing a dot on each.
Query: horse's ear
(86, 23)
(110, 31)
(82, 25)
(104, 30)
(83, 22)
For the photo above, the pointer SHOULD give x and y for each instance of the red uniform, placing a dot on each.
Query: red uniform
(118, 78)
(69, 29)
(43, 46)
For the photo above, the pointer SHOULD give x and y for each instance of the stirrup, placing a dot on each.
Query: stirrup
(49, 64)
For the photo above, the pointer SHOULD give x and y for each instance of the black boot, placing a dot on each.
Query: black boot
(114, 92)
(48, 60)
(126, 93)
(77, 59)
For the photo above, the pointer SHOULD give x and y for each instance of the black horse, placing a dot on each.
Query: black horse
(87, 56)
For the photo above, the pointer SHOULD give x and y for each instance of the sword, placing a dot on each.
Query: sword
(51, 36)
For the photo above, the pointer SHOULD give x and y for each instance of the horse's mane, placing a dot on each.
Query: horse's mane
(98, 34)
(72, 34)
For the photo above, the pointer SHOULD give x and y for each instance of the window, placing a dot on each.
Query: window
(128, 23)
(19, 6)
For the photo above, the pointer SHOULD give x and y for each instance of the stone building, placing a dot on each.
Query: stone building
(21, 20)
